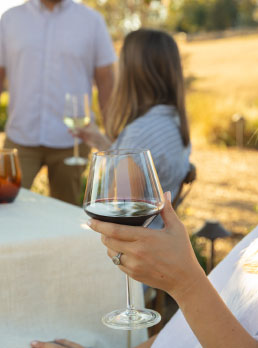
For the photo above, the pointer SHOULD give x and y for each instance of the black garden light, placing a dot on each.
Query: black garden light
(212, 230)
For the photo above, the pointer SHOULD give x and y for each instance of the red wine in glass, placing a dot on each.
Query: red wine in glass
(124, 212)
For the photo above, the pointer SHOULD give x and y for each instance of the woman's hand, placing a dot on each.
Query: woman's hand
(92, 136)
(160, 258)
(55, 344)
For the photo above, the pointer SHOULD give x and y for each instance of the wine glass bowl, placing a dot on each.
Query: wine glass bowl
(76, 115)
(10, 175)
(123, 188)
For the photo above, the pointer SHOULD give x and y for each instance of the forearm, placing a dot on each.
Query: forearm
(210, 319)
(104, 78)
(103, 96)
(2, 78)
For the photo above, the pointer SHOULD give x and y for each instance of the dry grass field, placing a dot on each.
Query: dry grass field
(226, 67)
(224, 82)
(224, 75)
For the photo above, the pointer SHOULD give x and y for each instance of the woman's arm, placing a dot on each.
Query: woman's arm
(165, 259)
(211, 321)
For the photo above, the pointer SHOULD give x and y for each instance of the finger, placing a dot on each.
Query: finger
(127, 264)
(168, 214)
(117, 245)
(123, 258)
(116, 231)
(38, 344)
(68, 344)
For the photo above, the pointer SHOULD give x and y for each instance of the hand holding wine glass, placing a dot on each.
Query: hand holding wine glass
(123, 187)
(76, 115)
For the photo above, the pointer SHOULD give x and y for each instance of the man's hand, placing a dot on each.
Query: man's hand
(92, 136)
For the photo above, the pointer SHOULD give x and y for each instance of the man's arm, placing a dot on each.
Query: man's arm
(2, 78)
(104, 78)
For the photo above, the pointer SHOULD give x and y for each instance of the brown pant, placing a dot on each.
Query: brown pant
(64, 180)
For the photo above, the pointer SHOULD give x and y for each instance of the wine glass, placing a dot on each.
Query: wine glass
(10, 175)
(123, 187)
(76, 115)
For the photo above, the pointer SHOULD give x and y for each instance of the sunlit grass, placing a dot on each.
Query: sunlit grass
(211, 116)
(224, 75)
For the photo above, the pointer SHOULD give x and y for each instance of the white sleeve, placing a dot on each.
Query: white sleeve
(104, 50)
(2, 45)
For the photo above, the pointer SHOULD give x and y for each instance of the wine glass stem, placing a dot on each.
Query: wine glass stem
(130, 309)
(76, 147)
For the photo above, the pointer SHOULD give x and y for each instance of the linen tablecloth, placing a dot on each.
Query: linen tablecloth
(56, 280)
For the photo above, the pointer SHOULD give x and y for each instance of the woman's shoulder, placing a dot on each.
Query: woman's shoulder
(157, 116)
(162, 110)
(159, 122)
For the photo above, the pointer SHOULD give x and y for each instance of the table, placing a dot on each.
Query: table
(56, 280)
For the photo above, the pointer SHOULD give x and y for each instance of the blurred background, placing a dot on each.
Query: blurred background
(218, 41)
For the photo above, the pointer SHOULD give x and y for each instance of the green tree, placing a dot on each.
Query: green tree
(188, 16)
(221, 14)
(246, 10)
(125, 15)
(203, 15)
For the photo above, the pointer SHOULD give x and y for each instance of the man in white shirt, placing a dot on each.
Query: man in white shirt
(49, 48)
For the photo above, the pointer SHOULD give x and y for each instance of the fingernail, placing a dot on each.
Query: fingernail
(34, 344)
(88, 222)
(168, 196)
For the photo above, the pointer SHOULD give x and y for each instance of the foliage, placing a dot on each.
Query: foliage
(246, 13)
(3, 110)
(199, 251)
(205, 15)
(96, 108)
(127, 15)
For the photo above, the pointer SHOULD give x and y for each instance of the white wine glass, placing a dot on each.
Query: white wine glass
(76, 115)
(123, 187)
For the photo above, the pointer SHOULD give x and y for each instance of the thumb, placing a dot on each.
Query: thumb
(168, 214)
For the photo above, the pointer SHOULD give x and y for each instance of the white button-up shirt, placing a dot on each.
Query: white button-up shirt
(46, 55)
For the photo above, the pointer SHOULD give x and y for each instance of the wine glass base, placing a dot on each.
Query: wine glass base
(131, 319)
(75, 161)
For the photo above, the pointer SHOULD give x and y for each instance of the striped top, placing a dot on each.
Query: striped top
(158, 131)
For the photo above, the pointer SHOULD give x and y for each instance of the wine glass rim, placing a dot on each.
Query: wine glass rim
(121, 152)
(8, 151)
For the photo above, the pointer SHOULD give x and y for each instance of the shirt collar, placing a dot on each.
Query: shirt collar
(58, 7)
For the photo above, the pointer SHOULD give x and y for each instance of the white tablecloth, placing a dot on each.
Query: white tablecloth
(55, 277)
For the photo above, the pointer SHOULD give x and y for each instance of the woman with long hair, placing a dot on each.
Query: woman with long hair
(147, 107)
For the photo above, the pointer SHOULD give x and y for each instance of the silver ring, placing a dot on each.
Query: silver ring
(116, 259)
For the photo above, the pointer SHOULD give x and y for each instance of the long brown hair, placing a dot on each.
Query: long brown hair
(150, 73)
